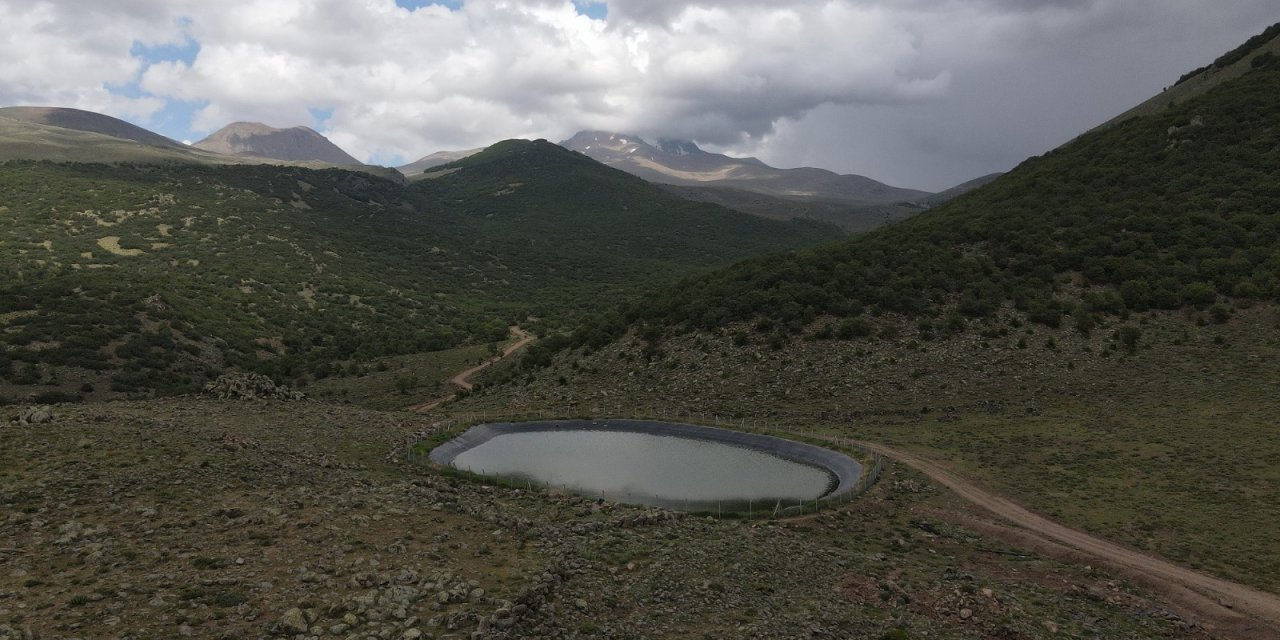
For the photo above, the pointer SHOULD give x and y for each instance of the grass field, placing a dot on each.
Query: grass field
(1171, 449)
(1179, 457)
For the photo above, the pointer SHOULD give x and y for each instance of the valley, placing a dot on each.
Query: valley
(223, 367)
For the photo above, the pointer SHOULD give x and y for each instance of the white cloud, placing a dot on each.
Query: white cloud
(50, 54)
(793, 81)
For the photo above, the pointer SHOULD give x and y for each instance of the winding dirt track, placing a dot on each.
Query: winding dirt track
(462, 379)
(1220, 606)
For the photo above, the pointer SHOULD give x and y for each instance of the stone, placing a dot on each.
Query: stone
(411, 634)
(965, 614)
(294, 621)
(35, 415)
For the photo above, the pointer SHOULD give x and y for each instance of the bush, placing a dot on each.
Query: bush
(1129, 336)
(854, 328)
(55, 397)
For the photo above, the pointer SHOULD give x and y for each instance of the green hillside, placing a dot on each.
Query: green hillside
(1174, 211)
(155, 277)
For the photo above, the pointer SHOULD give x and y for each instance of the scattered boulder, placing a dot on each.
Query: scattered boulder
(35, 415)
(293, 621)
(250, 386)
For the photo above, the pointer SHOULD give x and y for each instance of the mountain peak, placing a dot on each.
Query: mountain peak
(682, 162)
(679, 147)
(610, 140)
(298, 144)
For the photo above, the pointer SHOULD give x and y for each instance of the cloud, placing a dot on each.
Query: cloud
(796, 82)
(489, 69)
(50, 54)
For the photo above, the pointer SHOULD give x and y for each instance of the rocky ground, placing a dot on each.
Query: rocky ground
(216, 518)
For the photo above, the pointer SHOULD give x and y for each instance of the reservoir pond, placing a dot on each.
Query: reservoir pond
(656, 469)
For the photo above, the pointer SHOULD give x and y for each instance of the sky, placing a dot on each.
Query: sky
(915, 93)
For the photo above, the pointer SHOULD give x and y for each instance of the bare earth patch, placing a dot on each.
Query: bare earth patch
(112, 245)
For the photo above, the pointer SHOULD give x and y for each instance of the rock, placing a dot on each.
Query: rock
(580, 603)
(411, 634)
(35, 415)
(965, 614)
(294, 621)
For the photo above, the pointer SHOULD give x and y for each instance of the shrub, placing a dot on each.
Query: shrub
(1129, 336)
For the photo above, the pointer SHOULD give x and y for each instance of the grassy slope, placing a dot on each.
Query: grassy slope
(1170, 449)
(288, 270)
(206, 518)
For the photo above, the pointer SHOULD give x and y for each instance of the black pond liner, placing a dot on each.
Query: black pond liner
(844, 471)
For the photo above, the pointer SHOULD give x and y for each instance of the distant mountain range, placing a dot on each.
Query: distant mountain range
(299, 144)
(63, 134)
(682, 162)
(853, 202)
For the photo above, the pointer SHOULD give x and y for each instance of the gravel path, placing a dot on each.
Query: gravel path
(1231, 609)
(462, 379)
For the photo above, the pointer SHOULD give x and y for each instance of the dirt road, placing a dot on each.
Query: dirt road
(1223, 607)
(462, 379)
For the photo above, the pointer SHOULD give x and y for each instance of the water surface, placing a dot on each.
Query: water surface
(658, 470)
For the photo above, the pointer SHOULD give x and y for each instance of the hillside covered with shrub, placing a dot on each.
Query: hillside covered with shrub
(1174, 211)
(156, 277)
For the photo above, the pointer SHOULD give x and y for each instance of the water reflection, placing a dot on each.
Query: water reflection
(655, 470)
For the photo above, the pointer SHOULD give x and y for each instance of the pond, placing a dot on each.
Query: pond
(668, 465)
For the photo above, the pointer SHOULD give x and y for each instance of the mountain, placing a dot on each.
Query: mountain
(414, 169)
(684, 163)
(297, 144)
(946, 195)
(156, 277)
(90, 122)
(1120, 219)
(73, 135)
(1062, 334)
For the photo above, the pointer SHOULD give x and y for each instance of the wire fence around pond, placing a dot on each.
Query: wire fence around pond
(417, 449)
